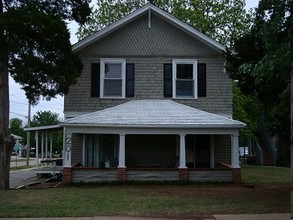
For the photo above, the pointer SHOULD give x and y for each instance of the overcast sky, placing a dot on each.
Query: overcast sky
(19, 103)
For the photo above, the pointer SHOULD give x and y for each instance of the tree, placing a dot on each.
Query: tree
(261, 65)
(224, 20)
(246, 108)
(45, 118)
(36, 51)
(16, 127)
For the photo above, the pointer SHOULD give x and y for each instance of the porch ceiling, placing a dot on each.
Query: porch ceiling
(153, 113)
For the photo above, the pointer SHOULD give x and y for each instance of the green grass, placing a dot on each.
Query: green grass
(181, 201)
(18, 159)
(265, 175)
(21, 167)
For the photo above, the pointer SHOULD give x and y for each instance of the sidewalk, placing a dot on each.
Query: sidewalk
(274, 216)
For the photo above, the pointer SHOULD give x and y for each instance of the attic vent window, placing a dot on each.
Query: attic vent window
(184, 78)
(112, 78)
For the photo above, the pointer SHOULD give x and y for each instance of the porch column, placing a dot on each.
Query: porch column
(121, 169)
(37, 148)
(182, 154)
(235, 151)
(236, 171)
(212, 152)
(183, 170)
(42, 146)
(67, 148)
(51, 145)
(122, 151)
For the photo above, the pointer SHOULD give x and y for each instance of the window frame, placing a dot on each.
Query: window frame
(175, 62)
(103, 62)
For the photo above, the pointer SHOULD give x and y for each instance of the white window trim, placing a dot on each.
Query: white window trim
(174, 73)
(102, 76)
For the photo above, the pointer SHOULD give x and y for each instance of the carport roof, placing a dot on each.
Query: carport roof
(153, 113)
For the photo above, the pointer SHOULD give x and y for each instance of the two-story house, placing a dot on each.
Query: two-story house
(153, 103)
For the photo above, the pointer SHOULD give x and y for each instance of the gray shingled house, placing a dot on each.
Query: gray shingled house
(153, 103)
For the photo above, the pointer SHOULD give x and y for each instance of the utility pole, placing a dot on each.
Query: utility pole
(28, 137)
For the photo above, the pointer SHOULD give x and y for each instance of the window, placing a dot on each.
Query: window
(113, 78)
(184, 78)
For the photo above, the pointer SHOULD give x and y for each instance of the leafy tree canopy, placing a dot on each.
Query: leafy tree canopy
(16, 127)
(44, 118)
(261, 62)
(223, 20)
(35, 44)
(35, 50)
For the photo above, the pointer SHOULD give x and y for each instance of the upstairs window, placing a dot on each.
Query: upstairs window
(112, 78)
(184, 73)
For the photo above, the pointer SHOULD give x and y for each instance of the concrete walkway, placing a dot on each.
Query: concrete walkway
(276, 216)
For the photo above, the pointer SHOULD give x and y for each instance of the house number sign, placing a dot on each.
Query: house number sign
(68, 144)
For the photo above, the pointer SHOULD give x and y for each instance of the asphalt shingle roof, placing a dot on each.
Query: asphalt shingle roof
(153, 113)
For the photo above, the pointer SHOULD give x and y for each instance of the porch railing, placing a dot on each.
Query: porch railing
(269, 143)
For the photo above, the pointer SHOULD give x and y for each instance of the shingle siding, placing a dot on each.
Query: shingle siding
(222, 149)
(76, 155)
(149, 49)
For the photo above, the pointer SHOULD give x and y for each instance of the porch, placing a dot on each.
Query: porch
(151, 140)
(96, 157)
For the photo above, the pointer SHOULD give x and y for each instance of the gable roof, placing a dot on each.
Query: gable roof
(149, 8)
(154, 114)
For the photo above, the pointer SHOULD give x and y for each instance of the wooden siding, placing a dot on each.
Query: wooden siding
(153, 175)
(136, 39)
(149, 50)
(222, 149)
(197, 175)
(93, 175)
(76, 154)
(210, 175)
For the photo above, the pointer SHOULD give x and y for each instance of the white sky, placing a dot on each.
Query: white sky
(19, 103)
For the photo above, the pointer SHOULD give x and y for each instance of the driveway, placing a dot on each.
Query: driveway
(23, 176)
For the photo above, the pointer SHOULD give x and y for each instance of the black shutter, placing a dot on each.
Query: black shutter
(168, 80)
(130, 80)
(201, 80)
(95, 80)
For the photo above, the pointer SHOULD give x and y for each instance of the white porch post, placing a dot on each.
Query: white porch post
(182, 155)
(121, 151)
(37, 148)
(67, 148)
(46, 145)
(212, 151)
(42, 146)
(51, 145)
(235, 151)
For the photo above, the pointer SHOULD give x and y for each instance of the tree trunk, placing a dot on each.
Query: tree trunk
(6, 141)
(291, 137)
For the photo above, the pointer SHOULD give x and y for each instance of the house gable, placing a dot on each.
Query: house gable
(149, 10)
(137, 39)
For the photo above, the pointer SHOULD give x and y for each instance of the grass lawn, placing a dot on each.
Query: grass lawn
(152, 200)
(265, 175)
(21, 167)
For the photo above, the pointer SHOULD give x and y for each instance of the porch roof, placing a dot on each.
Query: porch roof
(153, 113)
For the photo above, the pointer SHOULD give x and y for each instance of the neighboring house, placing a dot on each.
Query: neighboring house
(153, 103)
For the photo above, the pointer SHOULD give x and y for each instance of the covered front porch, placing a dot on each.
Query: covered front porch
(184, 144)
